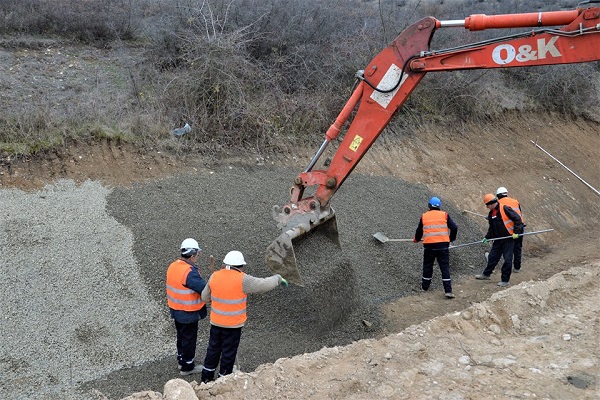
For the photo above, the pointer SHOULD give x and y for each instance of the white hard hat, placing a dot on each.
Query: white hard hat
(501, 190)
(189, 247)
(234, 258)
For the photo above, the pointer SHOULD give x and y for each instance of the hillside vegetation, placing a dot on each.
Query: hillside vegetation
(250, 75)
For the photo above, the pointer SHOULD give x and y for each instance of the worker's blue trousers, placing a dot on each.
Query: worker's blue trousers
(443, 259)
(502, 248)
(222, 345)
(187, 334)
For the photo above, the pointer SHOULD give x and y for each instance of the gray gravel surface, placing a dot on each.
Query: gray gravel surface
(72, 306)
(83, 300)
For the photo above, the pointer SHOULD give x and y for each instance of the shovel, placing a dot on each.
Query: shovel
(382, 238)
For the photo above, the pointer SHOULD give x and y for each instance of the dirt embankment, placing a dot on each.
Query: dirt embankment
(529, 341)
(490, 346)
(539, 338)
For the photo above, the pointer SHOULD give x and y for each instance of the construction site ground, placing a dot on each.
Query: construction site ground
(539, 338)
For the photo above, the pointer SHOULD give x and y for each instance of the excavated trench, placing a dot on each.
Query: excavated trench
(229, 208)
(87, 263)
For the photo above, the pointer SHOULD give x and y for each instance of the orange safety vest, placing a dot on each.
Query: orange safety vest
(179, 296)
(228, 300)
(512, 203)
(508, 223)
(435, 227)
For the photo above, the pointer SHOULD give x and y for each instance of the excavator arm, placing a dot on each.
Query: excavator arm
(388, 80)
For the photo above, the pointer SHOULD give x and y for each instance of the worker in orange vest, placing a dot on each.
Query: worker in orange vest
(503, 199)
(227, 291)
(503, 221)
(184, 288)
(437, 230)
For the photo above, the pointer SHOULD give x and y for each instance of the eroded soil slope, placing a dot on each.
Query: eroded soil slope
(459, 166)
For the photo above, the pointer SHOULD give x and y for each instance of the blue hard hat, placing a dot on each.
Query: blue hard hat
(435, 202)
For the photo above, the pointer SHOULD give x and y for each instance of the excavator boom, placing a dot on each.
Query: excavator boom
(388, 80)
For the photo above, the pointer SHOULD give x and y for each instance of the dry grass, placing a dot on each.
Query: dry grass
(247, 75)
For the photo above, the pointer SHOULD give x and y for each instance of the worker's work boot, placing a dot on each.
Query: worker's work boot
(449, 295)
(196, 370)
(482, 277)
(207, 375)
(503, 284)
(517, 270)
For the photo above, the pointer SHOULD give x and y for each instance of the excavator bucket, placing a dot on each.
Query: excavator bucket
(281, 257)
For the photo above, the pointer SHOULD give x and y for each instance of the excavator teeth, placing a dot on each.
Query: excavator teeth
(281, 259)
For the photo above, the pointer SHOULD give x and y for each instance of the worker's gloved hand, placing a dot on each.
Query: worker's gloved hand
(485, 241)
(284, 283)
(515, 235)
(415, 240)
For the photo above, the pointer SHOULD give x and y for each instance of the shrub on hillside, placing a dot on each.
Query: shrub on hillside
(86, 20)
(253, 72)
(568, 89)
(264, 74)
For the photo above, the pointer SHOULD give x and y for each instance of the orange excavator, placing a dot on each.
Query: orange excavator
(558, 37)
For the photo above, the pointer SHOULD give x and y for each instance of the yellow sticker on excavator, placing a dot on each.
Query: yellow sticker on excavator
(356, 143)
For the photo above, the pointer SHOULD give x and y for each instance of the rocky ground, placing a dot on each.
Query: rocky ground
(523, 342)
(412, 349)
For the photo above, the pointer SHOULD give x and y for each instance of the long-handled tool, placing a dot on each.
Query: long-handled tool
(382, 238)
(211, 263)
(503, 237)
(471, 212)
(567, 168)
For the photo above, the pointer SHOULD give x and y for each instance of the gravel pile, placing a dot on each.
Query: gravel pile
(84, 266)
(73, 308)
